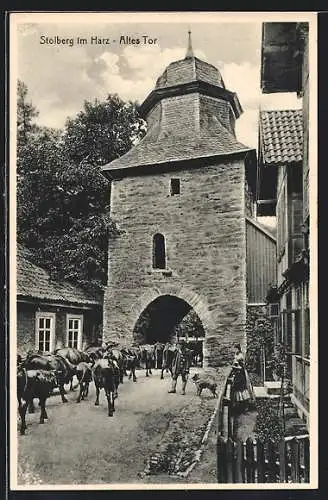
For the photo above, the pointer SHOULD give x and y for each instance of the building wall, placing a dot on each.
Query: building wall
(261, 263)
(305, 85)
(248, 200)
(26, 326)
(301, 314)
(205, 234)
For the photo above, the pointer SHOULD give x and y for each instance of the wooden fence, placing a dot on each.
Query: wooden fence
(254, 461)
(257, 462)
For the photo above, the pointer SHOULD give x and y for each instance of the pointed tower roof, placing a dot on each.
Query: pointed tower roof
(190, 115)
(190, 52)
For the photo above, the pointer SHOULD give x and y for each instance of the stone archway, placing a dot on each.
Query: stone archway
(185, 294)
(166, 318)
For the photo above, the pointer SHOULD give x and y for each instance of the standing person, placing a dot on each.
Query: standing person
(241, 390)
(180, 366)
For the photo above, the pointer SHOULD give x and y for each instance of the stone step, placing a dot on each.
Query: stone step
(273, 388)
(260, 392)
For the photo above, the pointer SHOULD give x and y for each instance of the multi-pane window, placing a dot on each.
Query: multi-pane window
(44, 331)
(74, 331)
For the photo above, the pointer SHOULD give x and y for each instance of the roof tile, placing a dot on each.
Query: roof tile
(281, 136)
(34, 282)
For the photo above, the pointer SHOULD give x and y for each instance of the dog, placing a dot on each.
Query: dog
(204, 383)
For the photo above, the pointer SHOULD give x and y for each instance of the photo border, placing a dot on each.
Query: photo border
(165, 487)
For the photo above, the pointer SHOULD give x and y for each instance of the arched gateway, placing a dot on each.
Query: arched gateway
(179, 198)
(166, 319)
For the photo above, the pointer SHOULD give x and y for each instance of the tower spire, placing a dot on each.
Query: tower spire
(190, 53)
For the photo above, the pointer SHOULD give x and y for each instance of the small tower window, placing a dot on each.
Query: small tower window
(159, 258)
(175, 186)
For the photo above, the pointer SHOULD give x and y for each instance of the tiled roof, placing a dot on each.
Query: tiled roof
(34, 282)
(281, 134)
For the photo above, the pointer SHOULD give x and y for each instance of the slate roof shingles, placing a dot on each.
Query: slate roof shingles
(34, 282)
(281, 136)
(177, 138)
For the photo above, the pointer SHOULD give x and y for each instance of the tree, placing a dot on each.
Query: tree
(63, 199)
(189, 326)
(103, 131)
(278, 363)
(260, 342)
(26, 113)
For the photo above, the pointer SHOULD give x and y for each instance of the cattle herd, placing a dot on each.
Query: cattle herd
(39, 373)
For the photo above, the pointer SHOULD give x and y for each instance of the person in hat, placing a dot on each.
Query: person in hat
(180, 366)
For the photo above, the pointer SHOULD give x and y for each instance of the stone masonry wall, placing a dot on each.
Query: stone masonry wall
(204, 228)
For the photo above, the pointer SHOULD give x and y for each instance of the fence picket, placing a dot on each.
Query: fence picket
(260, 459)
(250, 472)
(230, 460)
(271, 461)
(306, 454)
(221, 460)
(283, 461)
(295, 460)
(239, 463)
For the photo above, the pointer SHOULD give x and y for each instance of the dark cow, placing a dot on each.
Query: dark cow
(74, 356)
(117, 371)
(168, 356)
(63, 368)
(147, 357)
(132, 360)
(158, 354)
(95, 352)
(84, 376)
(117, 356)
(103, 373)
(34, 384)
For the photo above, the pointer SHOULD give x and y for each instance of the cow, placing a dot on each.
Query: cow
(61, 366)
(168, 356)
(34, 384)
(103, 373)
(117, 356)
(147, 357)
(74, 356)
(95, 352)
(132, 359)
(84, 376)
(158, 354)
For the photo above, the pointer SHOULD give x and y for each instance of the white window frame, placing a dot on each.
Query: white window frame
(72, 316)
(52, 317)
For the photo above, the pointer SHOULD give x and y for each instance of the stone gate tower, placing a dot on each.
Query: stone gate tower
(179, 198)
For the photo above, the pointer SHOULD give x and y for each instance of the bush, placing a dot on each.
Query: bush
(268, 424)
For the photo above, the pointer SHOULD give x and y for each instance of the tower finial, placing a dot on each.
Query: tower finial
(190, 52)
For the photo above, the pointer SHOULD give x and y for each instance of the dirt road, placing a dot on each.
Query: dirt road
(80, 444)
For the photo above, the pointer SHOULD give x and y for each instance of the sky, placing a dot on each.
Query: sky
(61, 77)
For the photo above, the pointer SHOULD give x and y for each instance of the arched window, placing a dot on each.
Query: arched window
(159, 258)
